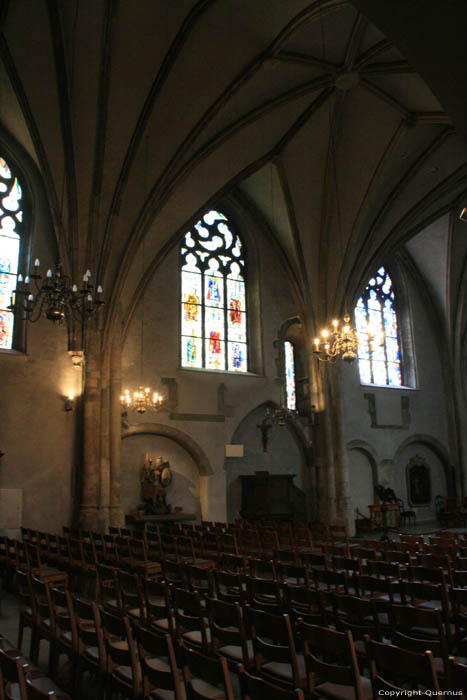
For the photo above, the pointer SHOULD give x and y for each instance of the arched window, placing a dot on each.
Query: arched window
(289, 362)
(213, 293)
(379, 359)
(11, 218)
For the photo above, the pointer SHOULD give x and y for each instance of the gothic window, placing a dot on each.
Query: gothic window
(11, 219)
(289, 361)
(379, 357)
(213, 293)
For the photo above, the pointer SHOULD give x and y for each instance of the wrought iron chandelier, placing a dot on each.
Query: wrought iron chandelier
(340, 341)
(55, 296)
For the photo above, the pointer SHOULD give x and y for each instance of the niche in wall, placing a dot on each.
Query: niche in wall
(283, 456)
(420, 476)
(184, 490)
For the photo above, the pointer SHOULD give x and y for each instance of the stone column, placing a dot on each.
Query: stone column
(88, 510)
(116, 515)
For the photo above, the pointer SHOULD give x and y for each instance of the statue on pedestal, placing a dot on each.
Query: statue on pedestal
(155, 478)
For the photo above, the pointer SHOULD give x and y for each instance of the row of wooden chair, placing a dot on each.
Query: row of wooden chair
(271, 653)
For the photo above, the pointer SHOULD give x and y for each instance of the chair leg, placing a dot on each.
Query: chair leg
(20, 634)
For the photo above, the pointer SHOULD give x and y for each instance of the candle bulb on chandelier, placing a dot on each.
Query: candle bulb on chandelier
(37, 262)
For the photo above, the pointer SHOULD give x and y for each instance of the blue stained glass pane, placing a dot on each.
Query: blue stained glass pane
(377, 329)
(237, 354)
(290, 376)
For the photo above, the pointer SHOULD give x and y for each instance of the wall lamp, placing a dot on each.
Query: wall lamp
(68, 402)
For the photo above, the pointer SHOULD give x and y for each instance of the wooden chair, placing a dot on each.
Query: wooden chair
(140, 562)
(159, 614)
(229, 586)
(91, 650)
(457, 677)
(44, 624)
(158, 666)
(228, 634)
(263, 594)
(275, 656)
(200, 579)
(331, 664)
(65, 632)
(304, 603)
(254, 688)
(122, 673)
(205, 677)
(26, 611)
(190, 622)
(417, 629)
(359, 615)
(131, 596)
(392, 666)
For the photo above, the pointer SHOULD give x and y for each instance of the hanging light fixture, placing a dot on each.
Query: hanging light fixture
(143, 398)
(340, 341)
(55, 296)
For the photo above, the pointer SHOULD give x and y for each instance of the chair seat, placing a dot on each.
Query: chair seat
(194, 636)
(235, 653)
(92, 654)
(161, 694)
(207, 690)
(283, 671)
(335, 691)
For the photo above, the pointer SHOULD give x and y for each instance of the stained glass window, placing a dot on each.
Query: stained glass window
(213, 327)
(11, 217)
(379, 359)
(290, 376)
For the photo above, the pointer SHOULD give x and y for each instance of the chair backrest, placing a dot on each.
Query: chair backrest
(359, 615)
(304, 603)
(391, 666)
(155, 674)
(117, 630)
(89, 628)
(227, 626)
(330, 656)
(273, 640)
(264, 594)
(11, 671)
(213, 671)
(457, 677)
(254, 688)
(228, 586)
(412, 624)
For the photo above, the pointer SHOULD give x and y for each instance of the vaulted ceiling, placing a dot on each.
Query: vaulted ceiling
(139, 112)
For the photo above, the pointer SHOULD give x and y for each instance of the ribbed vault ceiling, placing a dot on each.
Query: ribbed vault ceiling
(137, 113)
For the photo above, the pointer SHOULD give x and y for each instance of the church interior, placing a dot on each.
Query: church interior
(233, 244)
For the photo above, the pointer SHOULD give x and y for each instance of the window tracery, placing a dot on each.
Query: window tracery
(214, 323)
(11, 219)
(379, 356)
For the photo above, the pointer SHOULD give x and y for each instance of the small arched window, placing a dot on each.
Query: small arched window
(11, 220)
(213, 293)
(289, 366)
(379, 356)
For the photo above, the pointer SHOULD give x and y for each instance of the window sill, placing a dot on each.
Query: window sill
(12, 353)
(389, 386)
(203, 370)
